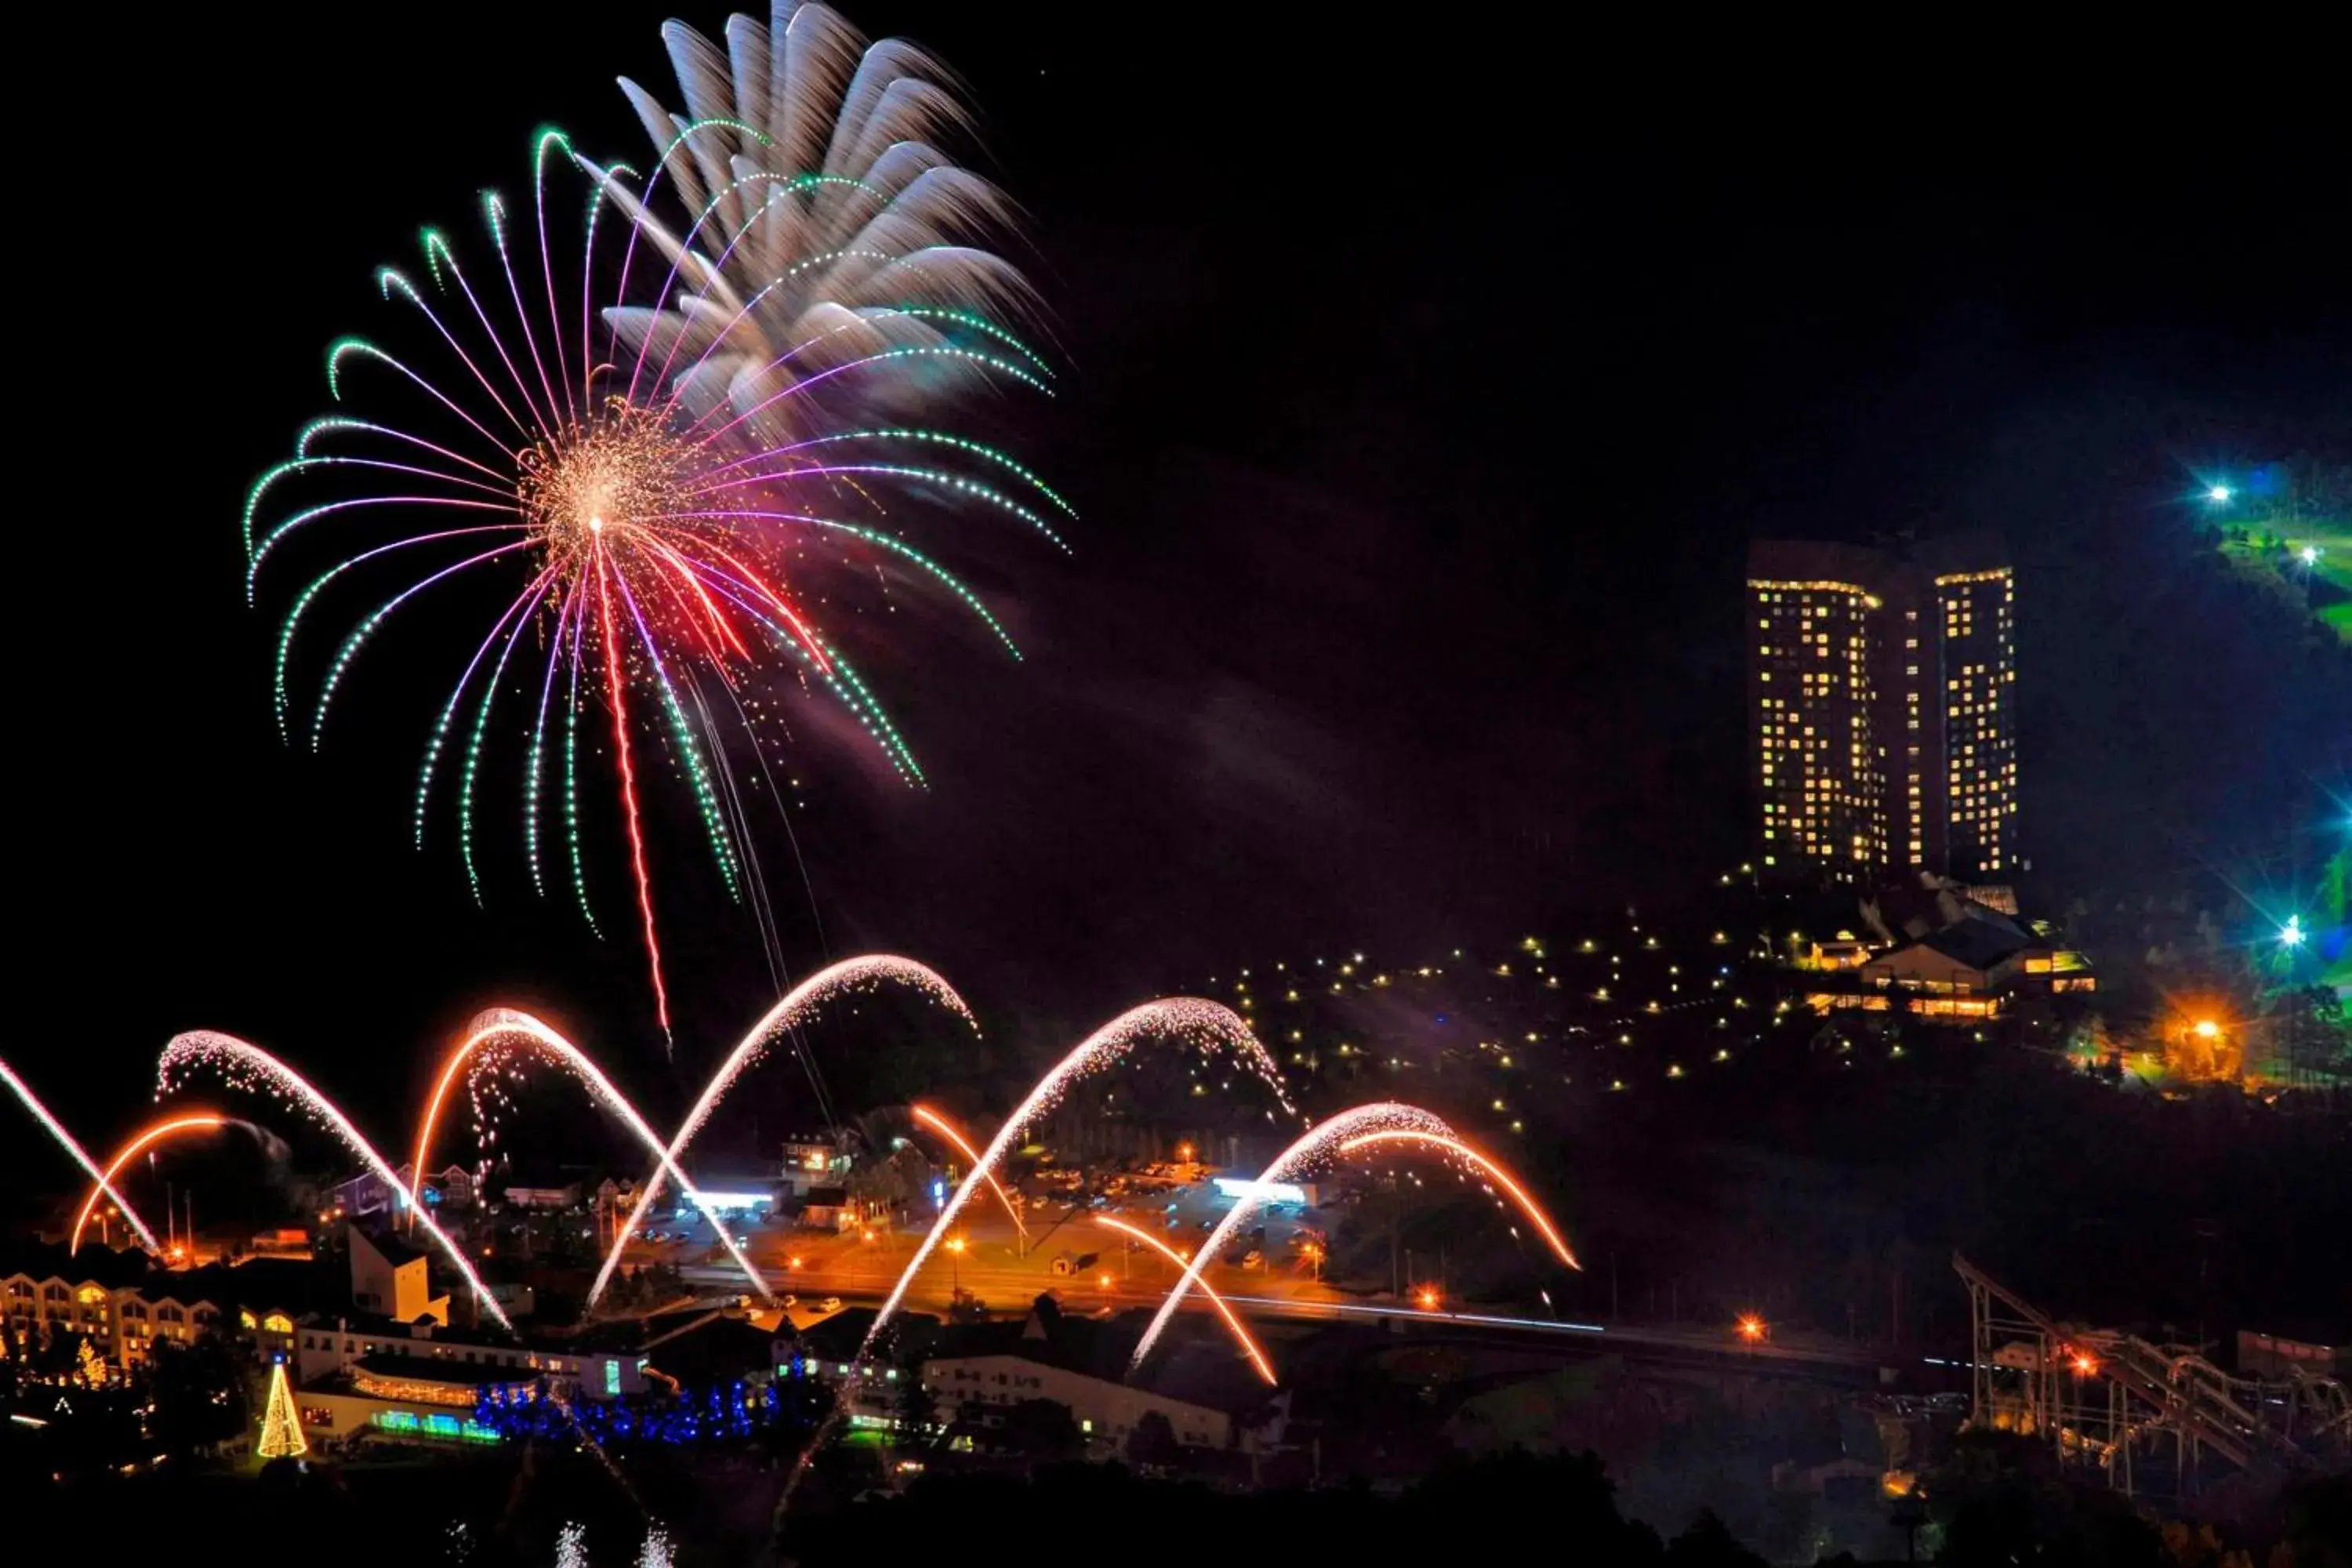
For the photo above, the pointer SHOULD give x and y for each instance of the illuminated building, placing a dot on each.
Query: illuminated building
(978, 1372)
(1882, 698)
(559, 1198)
(1966, 968)
(111, 1299)
(389, 1278)
(813, 1160)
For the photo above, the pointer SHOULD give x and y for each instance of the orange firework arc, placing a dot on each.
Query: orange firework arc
(947, 1129)
(1454, 1146)
(507, 1025)
(145, 1139)
(1241, 1335)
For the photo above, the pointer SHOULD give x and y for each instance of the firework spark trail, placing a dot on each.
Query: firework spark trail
(696, 772)
(614, 688)
(849, 975)
(167, 1129)
(247, 1066)
(534, 771)
(1486, 1166)
(1241, 1335)
(473, 765)
(1188, 1020)
(1318, 1146)
(318, 585)
(572, 773)
(499, 1025)
(366, 629)
(947, 1129)
(56, 1130)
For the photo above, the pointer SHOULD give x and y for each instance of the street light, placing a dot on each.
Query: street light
(2219, 495)
(2292, 933)
(1751, 1328)
(955, 1265)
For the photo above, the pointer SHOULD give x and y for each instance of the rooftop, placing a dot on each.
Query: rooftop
(444, 1369)
(711, 1351)
(1210, 1375)
(389, 1245)
(1874, 566)
(94, 1265)
(1979, 944)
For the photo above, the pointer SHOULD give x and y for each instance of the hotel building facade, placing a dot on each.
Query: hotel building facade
(1882, 696)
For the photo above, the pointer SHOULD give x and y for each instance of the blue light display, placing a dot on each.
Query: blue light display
(714, 1414)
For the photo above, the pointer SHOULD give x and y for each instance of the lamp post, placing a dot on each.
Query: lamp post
(2291, 938)
(955, 1265)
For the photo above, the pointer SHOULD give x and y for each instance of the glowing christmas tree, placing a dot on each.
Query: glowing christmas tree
(281, 1429)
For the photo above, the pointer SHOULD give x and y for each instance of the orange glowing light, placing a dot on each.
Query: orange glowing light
(1751, 1327)
(791, 1263)
(153, 1134)
(1426, 1298)
(2206, 1028)
(947, 1129)
(2086, 1363)
(1103, 1281)
(1241, 1335)
(956, 1245)
(1520, 1195)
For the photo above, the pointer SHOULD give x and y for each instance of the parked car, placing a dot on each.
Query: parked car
(790, 1301)
(830, 1304)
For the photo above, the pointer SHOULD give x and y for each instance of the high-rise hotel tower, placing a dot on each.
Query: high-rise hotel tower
(1882, 696)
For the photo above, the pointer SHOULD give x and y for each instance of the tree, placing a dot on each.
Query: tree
(2001, 1500)
(1709, 1543)
(894, 1180)
(1152, 1444)
(1042, 1429)
(281, 1428)
(198, 1394)
(919, 1407)
(60, 1352)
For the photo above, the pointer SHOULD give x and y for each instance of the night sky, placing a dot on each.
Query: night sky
(1421, 393)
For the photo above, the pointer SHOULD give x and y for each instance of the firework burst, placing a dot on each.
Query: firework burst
(677, 480)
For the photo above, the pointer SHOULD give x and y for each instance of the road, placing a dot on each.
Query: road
(1004, 1270)
(1304, 1304)
(861, 1268)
